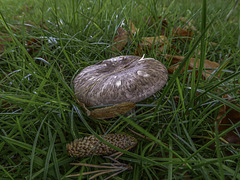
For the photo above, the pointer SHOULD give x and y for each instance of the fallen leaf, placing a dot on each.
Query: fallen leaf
(182, 34)
(209, 66)
(149, 42)
(111, 111)
(189, 24)
(227, 120)
(121, 30)
(173, 48)
(8, 106)
(151, 21)
(213, 43)
(33, 45)
(172, 69)
(120, 40)
(132, 27)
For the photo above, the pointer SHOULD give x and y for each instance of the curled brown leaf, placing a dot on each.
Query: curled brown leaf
(120, 40)
(151, 21)
(209, 66)
(132, 27)
(189, 24)
(149, 42)
(123, 36)
(232, 117)
(182, 34)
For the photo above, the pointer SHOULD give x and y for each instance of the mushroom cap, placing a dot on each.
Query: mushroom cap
(119, 80)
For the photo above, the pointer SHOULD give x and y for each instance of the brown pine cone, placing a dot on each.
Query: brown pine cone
(90, 145)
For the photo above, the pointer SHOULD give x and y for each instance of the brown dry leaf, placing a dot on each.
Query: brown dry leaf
(33, 45)
(8, 106)
(183, 34)
(173, 48)
(2, 47)
(207, 64)
(149, 42)
(151, 21)
(189, 24)
(231, 118)
(213, 43)
(172, 69)
(139, 51)
(111, 111)
(120, 40)
(132, 27)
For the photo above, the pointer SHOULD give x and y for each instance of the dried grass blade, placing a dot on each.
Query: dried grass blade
(101, 173)
(88, 173)
(90, 165)
(115, 174)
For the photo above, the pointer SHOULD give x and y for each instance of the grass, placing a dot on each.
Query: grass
(39, 116)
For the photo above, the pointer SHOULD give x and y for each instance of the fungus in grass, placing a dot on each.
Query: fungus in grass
(120, 79)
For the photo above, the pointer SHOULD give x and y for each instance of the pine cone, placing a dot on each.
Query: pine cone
(90, 145)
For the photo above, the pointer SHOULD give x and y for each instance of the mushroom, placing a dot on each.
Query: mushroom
(120, 79)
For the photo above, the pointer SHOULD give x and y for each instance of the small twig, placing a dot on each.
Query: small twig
(107, 168)
(90, 165)
(112, 159)
(115, 174)
(140, 135)
(101, 173)
(118, 154)
(104, 132)
(86, 173)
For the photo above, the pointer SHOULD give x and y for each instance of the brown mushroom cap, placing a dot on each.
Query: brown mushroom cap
(120, 79)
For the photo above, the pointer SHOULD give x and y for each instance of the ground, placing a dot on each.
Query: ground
(189, 129)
